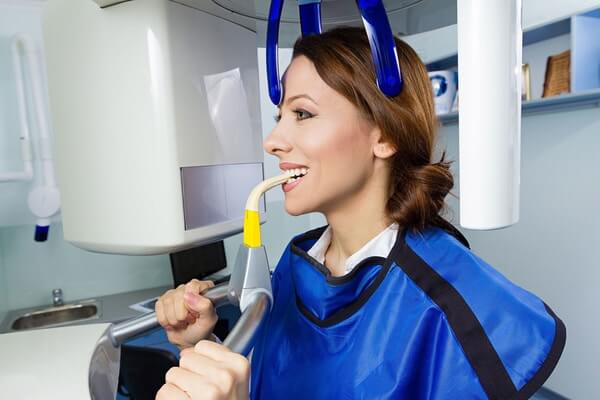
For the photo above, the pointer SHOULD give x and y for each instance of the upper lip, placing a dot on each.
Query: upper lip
(288, 165)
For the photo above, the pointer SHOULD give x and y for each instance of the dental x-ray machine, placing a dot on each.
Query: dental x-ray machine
(154, 104)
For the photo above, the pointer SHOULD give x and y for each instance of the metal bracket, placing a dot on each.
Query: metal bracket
(250, 274)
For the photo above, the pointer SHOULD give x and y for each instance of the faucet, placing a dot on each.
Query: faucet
(57, 297)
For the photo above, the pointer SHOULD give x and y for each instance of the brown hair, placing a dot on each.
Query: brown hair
(342, 57)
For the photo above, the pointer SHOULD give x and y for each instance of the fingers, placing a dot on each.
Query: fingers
(194, 386)
(198, 304)
(196, 286)
(235, 362)
(161, 312)
(171, 392)
(211, 367)
(181, 307)
(169, 308)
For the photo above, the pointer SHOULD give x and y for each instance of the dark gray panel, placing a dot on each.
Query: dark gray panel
(218, 193)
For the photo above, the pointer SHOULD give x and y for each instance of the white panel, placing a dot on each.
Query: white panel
(489, 67)
(130, 109)
(111, 102)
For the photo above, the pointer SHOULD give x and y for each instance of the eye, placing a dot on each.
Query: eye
(302, 114)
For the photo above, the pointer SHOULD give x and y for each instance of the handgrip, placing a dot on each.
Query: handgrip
(240, 339)
(119, 333)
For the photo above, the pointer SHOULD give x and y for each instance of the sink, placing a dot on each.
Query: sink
(56, 316)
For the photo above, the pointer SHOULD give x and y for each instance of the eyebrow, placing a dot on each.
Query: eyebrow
(289, 100)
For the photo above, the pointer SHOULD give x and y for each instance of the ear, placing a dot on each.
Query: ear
(382, 148)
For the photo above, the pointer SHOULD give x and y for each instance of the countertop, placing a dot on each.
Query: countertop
(111, 308)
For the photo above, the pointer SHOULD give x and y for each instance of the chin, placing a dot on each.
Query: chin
(295, 209)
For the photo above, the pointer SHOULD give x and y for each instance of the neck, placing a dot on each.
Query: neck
(354, 224)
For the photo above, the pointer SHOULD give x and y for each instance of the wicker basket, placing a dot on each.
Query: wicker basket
(558, 74)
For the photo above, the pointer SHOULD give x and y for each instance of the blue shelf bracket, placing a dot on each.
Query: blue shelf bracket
(379, 32)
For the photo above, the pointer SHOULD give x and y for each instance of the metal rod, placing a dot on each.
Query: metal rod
(241, 338)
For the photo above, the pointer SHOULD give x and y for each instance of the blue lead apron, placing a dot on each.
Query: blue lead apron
(430, 321)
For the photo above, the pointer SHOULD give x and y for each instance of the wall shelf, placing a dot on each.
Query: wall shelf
(576, 33)
(563, 102)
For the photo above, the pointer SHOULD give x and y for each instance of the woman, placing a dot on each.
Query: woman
(387, 301)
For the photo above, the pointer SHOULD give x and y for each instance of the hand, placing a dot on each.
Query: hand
(210, 371)
(187, 316)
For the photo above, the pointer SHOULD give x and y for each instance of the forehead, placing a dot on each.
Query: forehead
(301, 77)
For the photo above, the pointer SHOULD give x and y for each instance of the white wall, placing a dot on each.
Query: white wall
(3, 294)
(32, 269)
(554, 249)
(16, 17)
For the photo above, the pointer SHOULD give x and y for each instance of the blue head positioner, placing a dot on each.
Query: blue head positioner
(377, 26)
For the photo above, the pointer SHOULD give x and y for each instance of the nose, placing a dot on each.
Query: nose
(276, 143)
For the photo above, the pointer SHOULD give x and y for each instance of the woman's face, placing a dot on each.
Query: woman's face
(321, 131)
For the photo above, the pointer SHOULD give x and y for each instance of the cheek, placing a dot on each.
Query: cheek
(343, 152)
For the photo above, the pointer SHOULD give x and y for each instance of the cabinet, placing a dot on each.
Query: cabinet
(548, 30)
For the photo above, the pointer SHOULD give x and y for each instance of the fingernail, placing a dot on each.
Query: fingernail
(186, 351)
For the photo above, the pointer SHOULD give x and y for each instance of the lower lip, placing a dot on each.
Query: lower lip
(290, 186)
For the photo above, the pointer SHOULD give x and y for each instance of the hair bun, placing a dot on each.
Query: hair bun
(420, 200)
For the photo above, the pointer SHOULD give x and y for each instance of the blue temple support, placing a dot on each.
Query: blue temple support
(272, 49)
(377, 26)
(383, 48)
(310, 16)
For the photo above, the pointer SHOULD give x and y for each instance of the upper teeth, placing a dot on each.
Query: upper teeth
(295, 172)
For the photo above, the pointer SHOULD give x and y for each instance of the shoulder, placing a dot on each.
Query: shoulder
(511, 338)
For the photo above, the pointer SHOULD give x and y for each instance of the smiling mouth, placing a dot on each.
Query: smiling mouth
(296, 173)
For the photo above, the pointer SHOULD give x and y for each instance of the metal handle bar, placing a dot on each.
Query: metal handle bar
(119, 333)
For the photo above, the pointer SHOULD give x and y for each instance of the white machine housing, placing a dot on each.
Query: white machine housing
(490, 43)
(155, 108)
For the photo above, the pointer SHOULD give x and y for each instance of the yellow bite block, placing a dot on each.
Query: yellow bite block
(252, 229)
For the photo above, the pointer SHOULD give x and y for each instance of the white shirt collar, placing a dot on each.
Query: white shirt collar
(379, 246)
